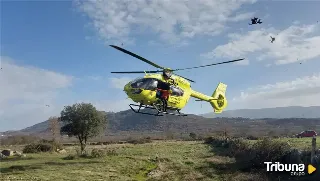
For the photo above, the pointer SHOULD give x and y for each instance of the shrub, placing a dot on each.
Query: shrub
(42, 146)
(55, 145)
(236, 146)
(70, 157)
(85, 155)
(82, 154)
(253, 157)
(230, 147)
(111, 152)
(97, 153)
(36, 148)
(139, 141)
(169, 135)
(193, 136)
(200, 137)
(214, 141)
(250, 137)
(217, 141)
(294, 157)
(19, 140)
(272, 149)
(45, 141)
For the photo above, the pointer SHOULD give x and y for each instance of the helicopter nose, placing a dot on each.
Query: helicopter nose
(126, 88)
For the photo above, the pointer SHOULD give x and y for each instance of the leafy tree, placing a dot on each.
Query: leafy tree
(82, 120)
(193, 135)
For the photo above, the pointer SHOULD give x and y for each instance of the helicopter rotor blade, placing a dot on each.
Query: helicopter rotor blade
(141, 72)
(185, 78)
(137, 56)
(137, 72)
(210, 64)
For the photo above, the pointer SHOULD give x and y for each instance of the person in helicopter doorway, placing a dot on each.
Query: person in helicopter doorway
(163, 89)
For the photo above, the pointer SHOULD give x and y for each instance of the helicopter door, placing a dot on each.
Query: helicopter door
(176, 96)
(176, 91)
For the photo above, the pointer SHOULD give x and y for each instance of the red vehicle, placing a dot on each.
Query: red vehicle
(307, 133)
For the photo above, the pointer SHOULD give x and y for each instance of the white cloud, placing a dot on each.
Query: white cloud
(119, 83)
(241, 17)
(25, 92)
(304, 91)
(172, 20)
(294, 44)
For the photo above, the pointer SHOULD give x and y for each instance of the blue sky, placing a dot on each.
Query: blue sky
(57, 53)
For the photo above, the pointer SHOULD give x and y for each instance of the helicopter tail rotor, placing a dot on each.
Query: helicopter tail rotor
(219, 101)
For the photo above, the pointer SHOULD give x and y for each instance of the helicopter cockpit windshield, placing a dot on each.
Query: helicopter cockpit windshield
(151, 84)
(145, 83)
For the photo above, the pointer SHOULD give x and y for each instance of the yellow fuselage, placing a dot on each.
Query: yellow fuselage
(148, 97)
(142, 91)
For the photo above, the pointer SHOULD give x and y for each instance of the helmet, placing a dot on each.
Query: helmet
(167, 73)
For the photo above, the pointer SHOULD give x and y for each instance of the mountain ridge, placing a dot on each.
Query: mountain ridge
(128, 121)
(276, 112)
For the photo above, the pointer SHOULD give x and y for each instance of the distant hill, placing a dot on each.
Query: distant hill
(278, 113)
(127, 123)
(130, 121)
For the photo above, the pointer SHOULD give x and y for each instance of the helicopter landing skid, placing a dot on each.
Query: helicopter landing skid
(159, 111)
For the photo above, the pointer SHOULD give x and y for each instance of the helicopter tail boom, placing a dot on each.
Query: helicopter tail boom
(218, 99)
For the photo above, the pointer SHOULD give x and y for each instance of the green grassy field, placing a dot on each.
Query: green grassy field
(170, 160)
(159, 160)
(301, 143)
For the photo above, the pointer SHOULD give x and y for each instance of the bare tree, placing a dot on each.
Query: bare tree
(54, 128)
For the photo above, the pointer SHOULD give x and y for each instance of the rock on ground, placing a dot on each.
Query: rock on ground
(63, 151)
(2, 156)
(7, 152)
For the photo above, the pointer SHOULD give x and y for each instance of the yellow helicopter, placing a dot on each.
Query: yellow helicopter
(143, 90)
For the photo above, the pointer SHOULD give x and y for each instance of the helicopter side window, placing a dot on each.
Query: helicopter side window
(145, 83)
(150, 84)
(153, 83)
(176, 91)
(138, 83)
